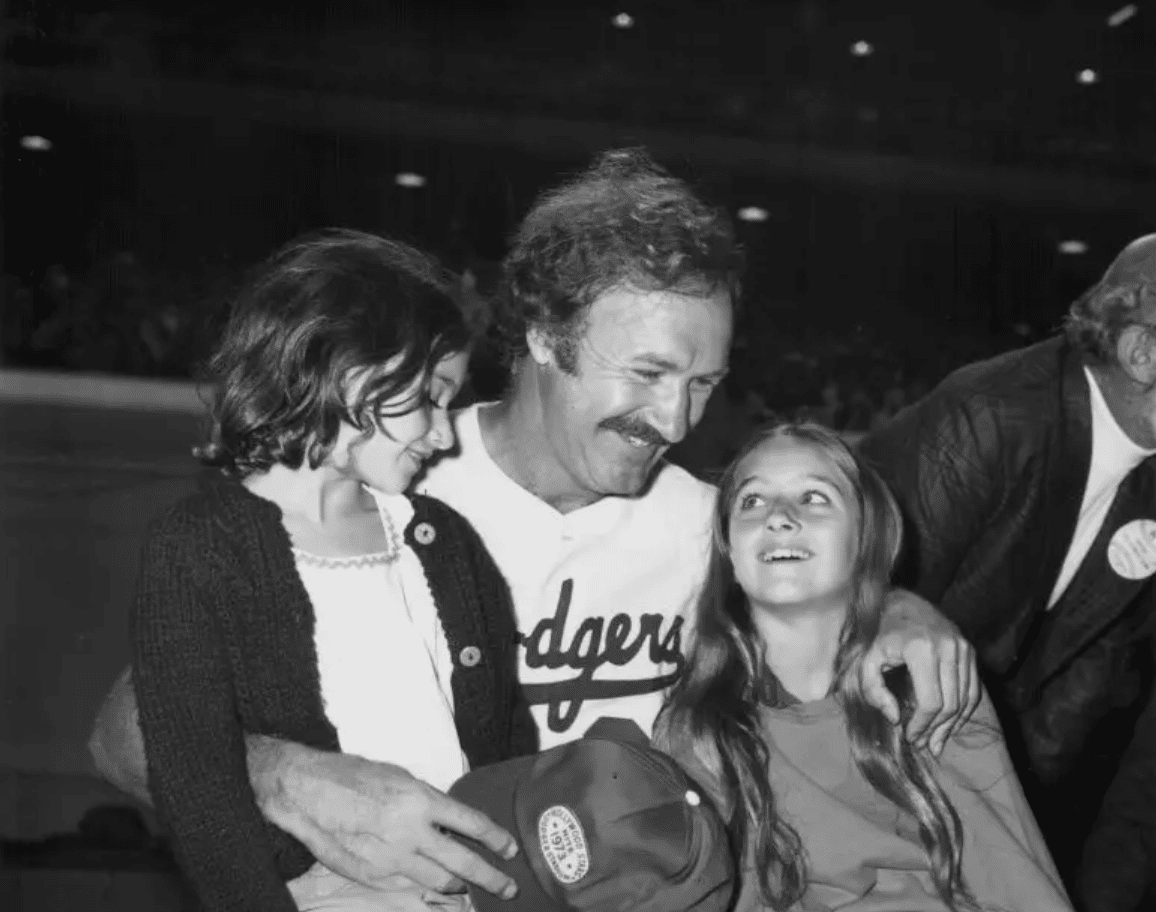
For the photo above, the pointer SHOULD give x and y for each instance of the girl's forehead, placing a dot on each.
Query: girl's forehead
(783, 457)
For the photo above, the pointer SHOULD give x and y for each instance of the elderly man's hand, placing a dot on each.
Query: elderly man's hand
(371, 821)
(941, 664)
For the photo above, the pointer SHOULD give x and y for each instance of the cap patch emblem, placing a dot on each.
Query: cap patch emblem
(563, 844)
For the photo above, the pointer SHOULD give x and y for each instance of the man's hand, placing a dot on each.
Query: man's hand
(373, 821)
(370, 822)
(941, 664)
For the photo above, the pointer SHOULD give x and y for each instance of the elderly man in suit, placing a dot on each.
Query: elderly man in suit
(1029, 488)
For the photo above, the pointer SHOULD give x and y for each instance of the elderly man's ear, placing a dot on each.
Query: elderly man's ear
(1136, 351)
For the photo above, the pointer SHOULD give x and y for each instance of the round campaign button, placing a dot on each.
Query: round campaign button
(1132, 550)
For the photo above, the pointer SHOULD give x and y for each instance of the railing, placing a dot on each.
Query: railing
(99, 390)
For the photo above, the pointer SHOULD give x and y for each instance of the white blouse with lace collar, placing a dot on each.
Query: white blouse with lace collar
(384, 662)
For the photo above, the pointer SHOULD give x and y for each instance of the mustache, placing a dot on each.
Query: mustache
(634, 428)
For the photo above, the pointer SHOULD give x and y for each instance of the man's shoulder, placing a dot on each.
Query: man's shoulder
(998, 400)
(675, 490)
(1020, 377)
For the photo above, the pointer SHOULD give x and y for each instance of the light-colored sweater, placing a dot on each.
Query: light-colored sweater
(863, 852)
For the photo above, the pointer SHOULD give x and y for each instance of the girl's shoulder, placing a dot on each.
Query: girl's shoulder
(976, 755)
(438, 526)
(220, 510)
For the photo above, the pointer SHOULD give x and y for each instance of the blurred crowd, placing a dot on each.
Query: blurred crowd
(117, 317)
(123, 317)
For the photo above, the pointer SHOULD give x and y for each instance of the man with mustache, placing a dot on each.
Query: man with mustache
(617, 318)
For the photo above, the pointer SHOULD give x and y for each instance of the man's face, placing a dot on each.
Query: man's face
(646, 363)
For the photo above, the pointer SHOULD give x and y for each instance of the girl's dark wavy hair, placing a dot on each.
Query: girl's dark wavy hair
(624, 221)
(713, 710)
(326, 308)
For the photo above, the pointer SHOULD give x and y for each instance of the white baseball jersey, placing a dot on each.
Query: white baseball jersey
(603, 595)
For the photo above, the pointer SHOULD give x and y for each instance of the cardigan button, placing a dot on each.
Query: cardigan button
(424, 533)
(470, 656)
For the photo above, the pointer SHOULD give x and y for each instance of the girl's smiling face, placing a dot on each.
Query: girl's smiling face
(793, 527)
(412, 427)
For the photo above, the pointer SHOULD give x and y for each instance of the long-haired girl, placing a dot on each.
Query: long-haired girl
(828, 805)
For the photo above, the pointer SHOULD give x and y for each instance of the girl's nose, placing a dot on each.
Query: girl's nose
(781, 518)
(441, 432)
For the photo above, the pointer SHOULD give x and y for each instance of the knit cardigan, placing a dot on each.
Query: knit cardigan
(222, 635)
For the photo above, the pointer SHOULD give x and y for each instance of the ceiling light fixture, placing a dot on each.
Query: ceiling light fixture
(36, 143)
(753, 214)
(409, 179)
(1122, 15)
(1073, 247)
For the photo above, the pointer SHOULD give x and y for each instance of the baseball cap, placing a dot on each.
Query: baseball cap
(605, 823)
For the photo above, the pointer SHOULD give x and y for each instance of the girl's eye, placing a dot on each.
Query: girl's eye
(648, 375)
(749, 501)
(816, 498)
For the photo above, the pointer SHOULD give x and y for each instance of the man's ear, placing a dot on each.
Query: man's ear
(1136, 352)
(540, 346)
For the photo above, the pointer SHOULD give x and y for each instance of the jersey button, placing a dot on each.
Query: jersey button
(424, 533)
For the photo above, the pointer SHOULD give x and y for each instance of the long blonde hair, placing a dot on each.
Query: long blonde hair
(714, 707)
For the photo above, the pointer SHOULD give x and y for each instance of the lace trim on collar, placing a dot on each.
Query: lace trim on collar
(393, 540)
(377, 559)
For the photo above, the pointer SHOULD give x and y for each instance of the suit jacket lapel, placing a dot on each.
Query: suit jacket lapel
(1097, 594)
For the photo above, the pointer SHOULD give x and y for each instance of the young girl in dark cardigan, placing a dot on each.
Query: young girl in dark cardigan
(302, 594)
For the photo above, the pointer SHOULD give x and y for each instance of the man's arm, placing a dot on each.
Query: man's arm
(367, 821)
(941, 460)
(936, 459)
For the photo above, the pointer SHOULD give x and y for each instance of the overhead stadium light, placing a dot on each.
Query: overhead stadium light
(753, 214)
(862, 49)
(1087, 77)
(409, 179)
(1122, 15)
(1073, 247)
(623, 21)
(36, 143)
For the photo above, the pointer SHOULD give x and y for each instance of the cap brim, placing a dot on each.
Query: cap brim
(490, 789)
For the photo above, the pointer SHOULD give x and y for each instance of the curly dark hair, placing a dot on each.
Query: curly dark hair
(325, 309)
(625, 220)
